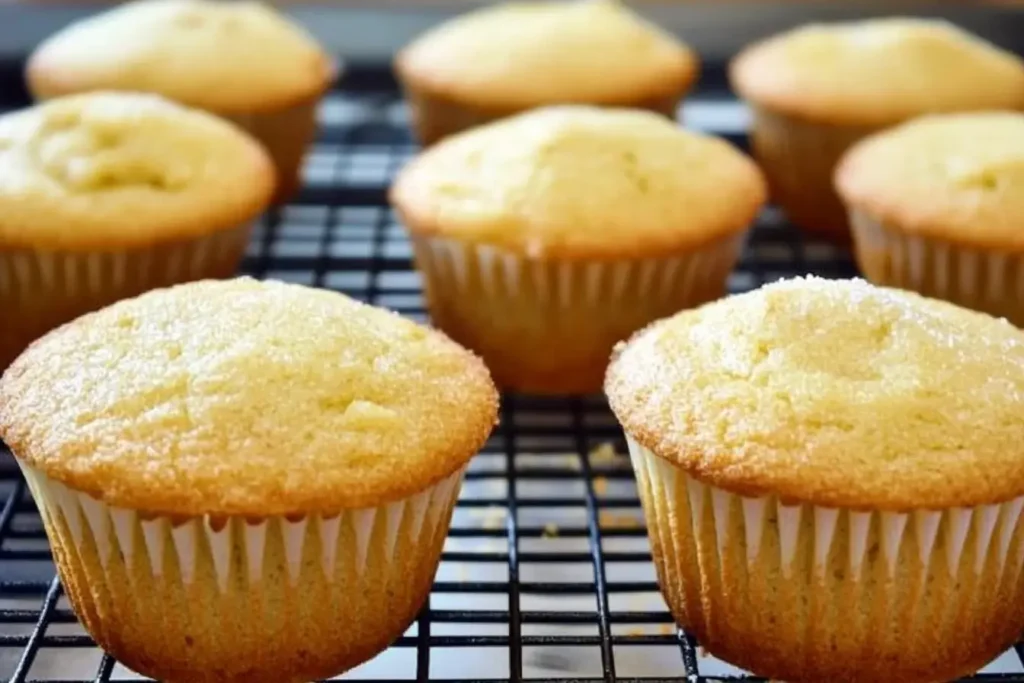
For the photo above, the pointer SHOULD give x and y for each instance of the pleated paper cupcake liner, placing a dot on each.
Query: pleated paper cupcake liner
(266, 600)
(808, 593)
(549, 326)
(40, 290)
(986, 280)
(798, 159)
(285, 134)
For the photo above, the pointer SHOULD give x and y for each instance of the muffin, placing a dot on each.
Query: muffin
(502, 60)
(240, 60)
(937, 206)
(245, 481)
(545, 238)
(818, 89)
(106, 195)
(833, 476)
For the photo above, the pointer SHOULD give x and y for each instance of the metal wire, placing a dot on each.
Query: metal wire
(339, 233)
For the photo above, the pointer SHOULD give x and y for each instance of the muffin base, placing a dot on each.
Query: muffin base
(286, 134)
(40, 290)
(435, 117)
(806, 593)
(986, 280)
(548, 327)
(798, 159)
(225, 600)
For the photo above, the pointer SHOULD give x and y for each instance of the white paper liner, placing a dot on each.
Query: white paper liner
(798, 158)
(560, 312)
(42, 289)
(257, 600)
(986, 280)
(285, 134)
(761, 516)
(112, 532)
(802, 591)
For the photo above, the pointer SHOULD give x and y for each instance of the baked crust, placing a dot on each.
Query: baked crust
(232, 58)
(110, 171)
(877, 72)
(834, 393)
(958, 178)
(246, 398)
(580, 182)
(520, 55)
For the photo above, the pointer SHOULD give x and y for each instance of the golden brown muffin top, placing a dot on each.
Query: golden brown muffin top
(835, 393)
(116, 170)
(246, 398)
(877, 72)
(953, 177)
(578, 181)
(526, 54)
(230, 57)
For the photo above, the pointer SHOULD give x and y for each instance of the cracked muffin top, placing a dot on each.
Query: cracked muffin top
(834, 393)
(581, 181)
(246, 398)
(78, 172)
(228, 57)
(953, 177)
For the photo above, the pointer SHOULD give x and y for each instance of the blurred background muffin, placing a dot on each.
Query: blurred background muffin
(817, 89)
(504, 59)
(240, 60)
(258, 490)
(937, 206)
(545, 238)
(106, 195)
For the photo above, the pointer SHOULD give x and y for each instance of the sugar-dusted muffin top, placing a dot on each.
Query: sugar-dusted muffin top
(955, 177)
(122, 169)
(877, 72)
(231, 57)
(579, 181)
(246, 398)
(525, 54)
(836, 393)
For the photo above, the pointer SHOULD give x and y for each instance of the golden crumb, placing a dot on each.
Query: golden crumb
(635, 631)
(493, 517)
(610, 519)
(550, 530)
(667, 629)
(605, 453)
(600, 486)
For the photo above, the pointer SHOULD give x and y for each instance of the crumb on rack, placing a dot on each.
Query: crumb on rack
(600, 486)
(667, 629)
(635, 631)
(492, 516)
(550, 530)
(605, 453)
(617, 520)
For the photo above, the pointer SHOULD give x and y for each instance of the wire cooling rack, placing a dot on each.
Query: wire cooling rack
(546, 573)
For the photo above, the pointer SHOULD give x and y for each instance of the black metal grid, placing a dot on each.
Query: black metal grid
(546, 574)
